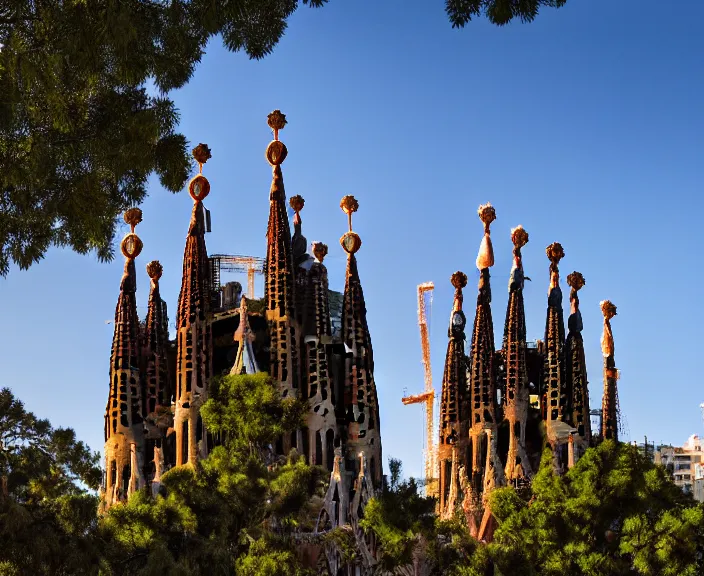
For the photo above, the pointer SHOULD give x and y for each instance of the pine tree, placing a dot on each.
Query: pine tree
(79, 133)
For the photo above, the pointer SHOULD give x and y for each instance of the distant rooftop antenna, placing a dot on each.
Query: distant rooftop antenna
(701, 407)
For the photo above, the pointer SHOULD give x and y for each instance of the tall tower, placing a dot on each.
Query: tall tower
(157, 385)
(361, 404)
(486, 469)
(452, 401)
(279, 283)
(193, 337)
(322, 432)
(609, 402)
(124, 436)
(514, 352)
(576, 366)
(556, 409)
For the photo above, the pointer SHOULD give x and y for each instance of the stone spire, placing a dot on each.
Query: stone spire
(360, 401)
(245, 362)
(452, 401)
(124, 435)
(514, 352)
(157, 385)
(576, 366)
(194, 341)
(609, 402)
(156, 391)
(482, 388)
(554, 384)
(322, 430)
(299, 244)
(279, 283)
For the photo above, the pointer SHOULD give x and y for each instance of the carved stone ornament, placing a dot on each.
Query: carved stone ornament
(576, 280)
(155, 270)
(276, 120)
(131, 246)
(351, 242)
(202, 153)
(519, 236)
(487, 214)
(555, 253)
(608, 309)
(133, 216)
(199, 188)
(297, 202)
(459, 280)
(320, 250)
(349, 204)
(276, 152)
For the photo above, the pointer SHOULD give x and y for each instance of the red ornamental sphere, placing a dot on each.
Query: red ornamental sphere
(276, 152)
(131, 246)
(199, 188)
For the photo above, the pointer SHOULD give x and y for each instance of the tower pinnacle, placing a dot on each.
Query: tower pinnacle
(124, 435)
(609, 408)
(193, 337)
(576, 366)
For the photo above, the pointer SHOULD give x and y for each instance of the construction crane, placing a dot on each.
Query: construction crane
(427, 398)
(250, 264)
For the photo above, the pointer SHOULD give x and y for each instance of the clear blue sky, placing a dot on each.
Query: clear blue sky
(585, 126)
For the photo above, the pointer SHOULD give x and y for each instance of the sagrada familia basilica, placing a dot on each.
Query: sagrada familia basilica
(498, 408)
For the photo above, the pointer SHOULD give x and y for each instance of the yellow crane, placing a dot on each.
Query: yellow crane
(427, 398)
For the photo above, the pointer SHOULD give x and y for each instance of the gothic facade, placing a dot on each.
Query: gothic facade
(314, 343)
(500, 407)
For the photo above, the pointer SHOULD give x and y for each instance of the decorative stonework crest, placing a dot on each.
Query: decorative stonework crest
(199, 187)
(351, 242)
(131, 245)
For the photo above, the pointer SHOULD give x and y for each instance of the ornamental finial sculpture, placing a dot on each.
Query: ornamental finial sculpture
(607, 340)
(297, 202)
(276, 121)
(485, 258)
(576, 281)
(202, 154)
(276, 151)
(155, 270)
(133, 216)
(351, 242)
(608, 309)
(459, 281)
(555, 253)
(131, 245)
(199, 187)
(320, 250)
(487, 214)
(519, 237)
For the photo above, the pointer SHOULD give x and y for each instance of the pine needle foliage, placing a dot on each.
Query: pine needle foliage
(499, 12)
(79, 132)
(47, 512)
(614, 513)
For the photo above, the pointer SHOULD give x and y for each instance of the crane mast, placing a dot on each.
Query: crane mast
(427, 398)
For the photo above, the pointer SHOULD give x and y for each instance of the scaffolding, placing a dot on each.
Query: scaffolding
(251, 265)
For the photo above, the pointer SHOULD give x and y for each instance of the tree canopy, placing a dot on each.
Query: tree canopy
(79, 131)
(242, 509)
(614, 513)
(47, 503)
